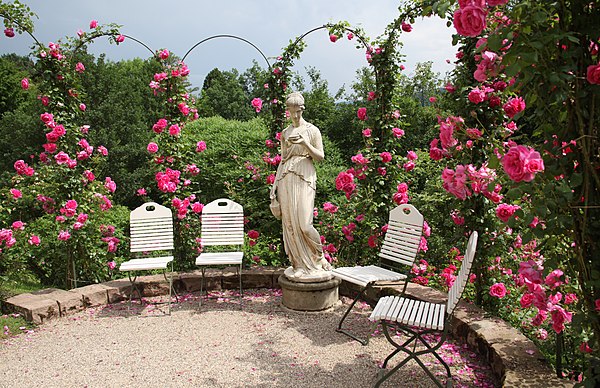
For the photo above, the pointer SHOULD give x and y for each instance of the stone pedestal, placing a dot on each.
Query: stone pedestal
(313, 296)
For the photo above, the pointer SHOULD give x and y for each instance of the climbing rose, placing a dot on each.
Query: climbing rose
(386, 157)
(406, 27)
(498, 290)
(362, 114)
(593, 74)
(34, 240)
(585, 348)
(513, 106)
(505, 211)
(470, 20)
(521, 163)
(200, 146)
(16, 193)
(9, 32)
(257, 104)
(253, 234)
(152, 147)
(110, 185)
(174, 130)
(25, 83)
(93, 24)
(119, 39)
(64, 235)
(366, 132)
(79, 67)
(333, 37)
(164, 54)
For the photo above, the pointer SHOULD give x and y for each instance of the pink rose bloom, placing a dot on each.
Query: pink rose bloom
(18, 225)
(197, 207)
(152, 147)
(257, 104)
(526, 300)
(34, 240)
(16, 193)
(79, 67)
(514, 106)
(457, 218)
(200, 146)
(585, 348)
(93, 24)
(61, 158)
(82, 107)
(25, 83)
(593, 74)
(398, 133)
(371, 96)
(103, 151)
(559, 317)
(498, 290)
(110, 185)
(382, 171)
(9, 32)
(412, 155)
(470, 20)
(366, 132)
(505, 211)
(522, 163)
(174, 130)
(330, 208)
(359, 159)
(270, 179)
(111, 265)
(164, 54)
(141, 191)
(408, 166)
(253, 234)
(362, 114)
(333, 38)
(386, 157)
(477, 96)
(539, 318)
(553, 280)
(64, 235)
(406, 27)
(120, 38)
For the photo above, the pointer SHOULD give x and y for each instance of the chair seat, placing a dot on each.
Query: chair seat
(220, 258)
(410, 312)
(365, 275)
(146, 263)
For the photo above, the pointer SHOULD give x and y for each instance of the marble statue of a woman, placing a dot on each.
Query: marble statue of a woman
(293, 196)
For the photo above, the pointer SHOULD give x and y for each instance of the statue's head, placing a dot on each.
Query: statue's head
(295, 99)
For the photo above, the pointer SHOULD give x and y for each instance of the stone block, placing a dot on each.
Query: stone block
(93, 295)
(230, 279)
(190, 282)
(68, 303)
(34, 308)
(257, 279)
(117, 290)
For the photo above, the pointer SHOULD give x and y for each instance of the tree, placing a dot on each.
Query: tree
(223, 95)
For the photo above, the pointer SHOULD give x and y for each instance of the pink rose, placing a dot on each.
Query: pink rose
(152, 147)
(9, 32)
(406, 27)
(257, 104)
(174, 130)
(386, 157)
(593, 74)
(514, 106)
(412, 155)
(498, 290)
(25, 83)
(16, 193)
(505, 211)
(200, 146)
(398, 133)
(64, 235)
(526, 300)
(111, 265)
(164, 54)
(477, 96)
(79, 67)
(470, 20)
(333, 38)
(93, 24)
(253, 234)
(34, 240)
(120, 38)
(270, 179)
(560, 316)
(362, 114)
(553, 280)
(585, 348)
(522, 163)
(366, 132)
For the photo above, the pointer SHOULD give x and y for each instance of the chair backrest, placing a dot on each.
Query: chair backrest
(460, 282)
(403, 237)
(151, 228)
(223, 223)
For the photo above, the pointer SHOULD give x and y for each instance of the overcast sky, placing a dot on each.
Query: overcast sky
(180, 24)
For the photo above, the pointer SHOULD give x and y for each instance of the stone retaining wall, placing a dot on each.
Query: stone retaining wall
(515, 360)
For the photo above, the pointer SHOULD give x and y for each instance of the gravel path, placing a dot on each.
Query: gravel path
(217, 345)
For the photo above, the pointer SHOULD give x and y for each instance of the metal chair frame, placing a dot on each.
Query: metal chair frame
(222, 225)
(418, 319)
(399, 250)
(151, 230)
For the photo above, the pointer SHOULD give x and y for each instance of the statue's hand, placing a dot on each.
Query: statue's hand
(297, 139)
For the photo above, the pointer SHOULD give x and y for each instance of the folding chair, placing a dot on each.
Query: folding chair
(419, 318)
(222, 226)
(398, 253)
(151, 230)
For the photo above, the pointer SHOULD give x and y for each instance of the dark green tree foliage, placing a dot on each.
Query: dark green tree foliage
(223, 94)
(121, 114)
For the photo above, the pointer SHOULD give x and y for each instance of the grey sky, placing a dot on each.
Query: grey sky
(268, 24)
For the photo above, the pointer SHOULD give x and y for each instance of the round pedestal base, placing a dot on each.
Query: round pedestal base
(304, 296)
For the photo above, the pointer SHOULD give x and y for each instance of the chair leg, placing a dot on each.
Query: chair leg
(134, 287)
(201, 287)
(240, 276)
(363, 341)
(414, 355)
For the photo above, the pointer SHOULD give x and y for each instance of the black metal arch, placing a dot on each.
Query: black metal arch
(24, 29)
(111, 34)
(227, 36)
(360, 38)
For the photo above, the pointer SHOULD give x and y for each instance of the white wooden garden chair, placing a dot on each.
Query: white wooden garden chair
(151, 232)
(396, 258)
(420, 319)
(223, 227)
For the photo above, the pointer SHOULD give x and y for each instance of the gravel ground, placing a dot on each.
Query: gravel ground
(216, 345)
